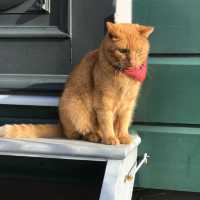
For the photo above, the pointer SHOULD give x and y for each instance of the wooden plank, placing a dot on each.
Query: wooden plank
(175, 21)
(65, 149)
(174, 158)
(114, 185)
(42, 32)
(15, 113)
(171, 92)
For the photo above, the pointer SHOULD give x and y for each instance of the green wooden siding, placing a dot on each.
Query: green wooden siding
(176, 24)
(171, 92)
(175, 158)
(168, 114)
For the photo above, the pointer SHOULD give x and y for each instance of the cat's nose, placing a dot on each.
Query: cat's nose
(132, 62)
(132, 59)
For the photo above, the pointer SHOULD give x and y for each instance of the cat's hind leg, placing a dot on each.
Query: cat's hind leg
(70, 131)
(75, 118)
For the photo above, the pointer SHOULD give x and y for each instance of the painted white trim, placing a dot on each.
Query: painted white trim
(66, 149)
(123, 12)
(114, 186)
(143, 161)
(29, 100)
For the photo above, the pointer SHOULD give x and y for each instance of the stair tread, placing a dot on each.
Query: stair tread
(66, 149)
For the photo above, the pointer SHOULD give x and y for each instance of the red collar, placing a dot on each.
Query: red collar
(137, 73)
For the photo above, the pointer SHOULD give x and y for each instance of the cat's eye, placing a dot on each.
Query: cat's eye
(112, 36)
(139, 51)
(124, 50)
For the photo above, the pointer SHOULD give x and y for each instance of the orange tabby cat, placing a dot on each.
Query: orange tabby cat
(101, 93)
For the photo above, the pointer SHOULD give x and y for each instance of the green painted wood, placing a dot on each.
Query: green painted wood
(5, 4)
(33, 55)
(171, 92)
(176, 24)
(175, 158)
(34, 32)
(27, 112)
(24, 20)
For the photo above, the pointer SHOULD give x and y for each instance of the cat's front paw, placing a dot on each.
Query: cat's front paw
(93, 137)
(111, 140)
(125, 139)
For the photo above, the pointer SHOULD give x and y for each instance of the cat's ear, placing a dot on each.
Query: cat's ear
(145, 30)
(110, 26)
(111, 30)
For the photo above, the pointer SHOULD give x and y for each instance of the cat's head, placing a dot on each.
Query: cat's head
(126, 45)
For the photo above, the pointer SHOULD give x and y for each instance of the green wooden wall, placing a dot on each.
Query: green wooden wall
(176, 23)
(171, 92)
(175, 158)
(168, 114)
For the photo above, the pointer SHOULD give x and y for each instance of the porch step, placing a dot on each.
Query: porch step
(120, 160)
(66, 149)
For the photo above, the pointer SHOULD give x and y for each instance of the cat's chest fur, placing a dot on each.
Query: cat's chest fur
(125, 89)
(115, 87)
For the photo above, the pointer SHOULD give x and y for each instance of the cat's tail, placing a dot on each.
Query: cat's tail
(31, 131)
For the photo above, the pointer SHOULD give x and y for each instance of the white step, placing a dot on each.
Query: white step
(65, 149)
(121, 160)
